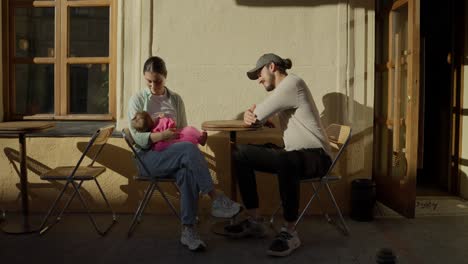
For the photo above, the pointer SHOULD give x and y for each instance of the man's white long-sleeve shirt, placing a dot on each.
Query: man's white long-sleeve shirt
(298, 115)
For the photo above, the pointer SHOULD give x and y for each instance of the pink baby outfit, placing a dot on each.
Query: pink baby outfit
(187, 133)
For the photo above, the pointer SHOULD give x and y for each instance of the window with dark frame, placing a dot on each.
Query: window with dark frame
(60, 59)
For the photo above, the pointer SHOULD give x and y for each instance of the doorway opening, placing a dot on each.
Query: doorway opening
(440, 34)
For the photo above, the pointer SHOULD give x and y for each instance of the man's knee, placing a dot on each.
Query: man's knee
(239, 153)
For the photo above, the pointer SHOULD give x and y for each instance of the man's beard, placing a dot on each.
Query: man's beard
(271, 86)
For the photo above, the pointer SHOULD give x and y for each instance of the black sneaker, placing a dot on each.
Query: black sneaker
(246, 228)
(284, 244)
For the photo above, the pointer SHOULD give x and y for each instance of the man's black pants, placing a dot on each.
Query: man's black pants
(290, 166)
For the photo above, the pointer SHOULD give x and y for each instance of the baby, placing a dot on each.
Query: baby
(142, 122)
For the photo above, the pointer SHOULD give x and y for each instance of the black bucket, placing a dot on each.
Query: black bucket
(362, 200)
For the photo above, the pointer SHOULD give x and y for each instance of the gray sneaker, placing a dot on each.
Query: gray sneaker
(246, 228)
(284, 244)
(190, 238)
(224, 207)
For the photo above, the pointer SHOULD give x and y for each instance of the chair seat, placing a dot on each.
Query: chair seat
(318, 179)
(82, 173)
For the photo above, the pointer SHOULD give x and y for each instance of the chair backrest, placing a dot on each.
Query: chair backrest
(130, 142)
(99, 138)
(339, 136)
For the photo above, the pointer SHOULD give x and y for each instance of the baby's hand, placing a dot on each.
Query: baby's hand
(161, 115)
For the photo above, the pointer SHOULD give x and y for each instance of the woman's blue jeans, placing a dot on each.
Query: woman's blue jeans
(185, 162)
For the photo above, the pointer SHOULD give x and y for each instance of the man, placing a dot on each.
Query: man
(306, 148)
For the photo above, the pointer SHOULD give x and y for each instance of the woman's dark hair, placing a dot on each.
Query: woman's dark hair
(155, 64)
(287, 64)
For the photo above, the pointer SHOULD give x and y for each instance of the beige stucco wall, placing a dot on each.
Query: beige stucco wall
(208, 46)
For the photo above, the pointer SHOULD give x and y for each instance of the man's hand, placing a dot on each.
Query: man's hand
(249, 117)
(269, 123)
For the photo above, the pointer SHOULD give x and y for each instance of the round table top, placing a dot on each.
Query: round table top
(227, 125)
(24, 126)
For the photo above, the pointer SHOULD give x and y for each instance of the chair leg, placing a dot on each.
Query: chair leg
(141, 206)
(148, 199)
(42, 228)
(176, 187)
(345, 227)
(168, 202)
(272, 218)
(59, 217)
(308, 205)
(324, 213)
(114, 217)
(90, 216)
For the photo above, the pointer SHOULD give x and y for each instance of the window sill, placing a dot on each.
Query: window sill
(72, 129)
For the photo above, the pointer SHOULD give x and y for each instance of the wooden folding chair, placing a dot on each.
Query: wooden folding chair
(75, 176)
(151, 187)
(339, 136)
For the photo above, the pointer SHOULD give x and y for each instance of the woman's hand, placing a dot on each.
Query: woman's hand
(170, 134)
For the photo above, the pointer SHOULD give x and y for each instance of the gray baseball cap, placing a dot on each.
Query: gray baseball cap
(262, 61)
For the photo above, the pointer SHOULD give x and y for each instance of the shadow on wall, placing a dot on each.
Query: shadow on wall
(121, 161)
(336, 111)
(218, 160)
(39, 193)
(336, 107)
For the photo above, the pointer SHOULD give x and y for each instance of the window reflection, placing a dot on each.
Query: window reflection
(89, 89)
(34, 32)
(34, 88)
(89, 32)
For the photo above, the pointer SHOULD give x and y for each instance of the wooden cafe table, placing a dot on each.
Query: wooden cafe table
(21, 128)
(231, 126)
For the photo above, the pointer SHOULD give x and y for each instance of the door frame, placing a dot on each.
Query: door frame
(458, 51)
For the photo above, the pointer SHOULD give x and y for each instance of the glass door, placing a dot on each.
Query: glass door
(397, 107)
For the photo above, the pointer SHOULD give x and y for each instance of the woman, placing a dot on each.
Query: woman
(182, 160)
